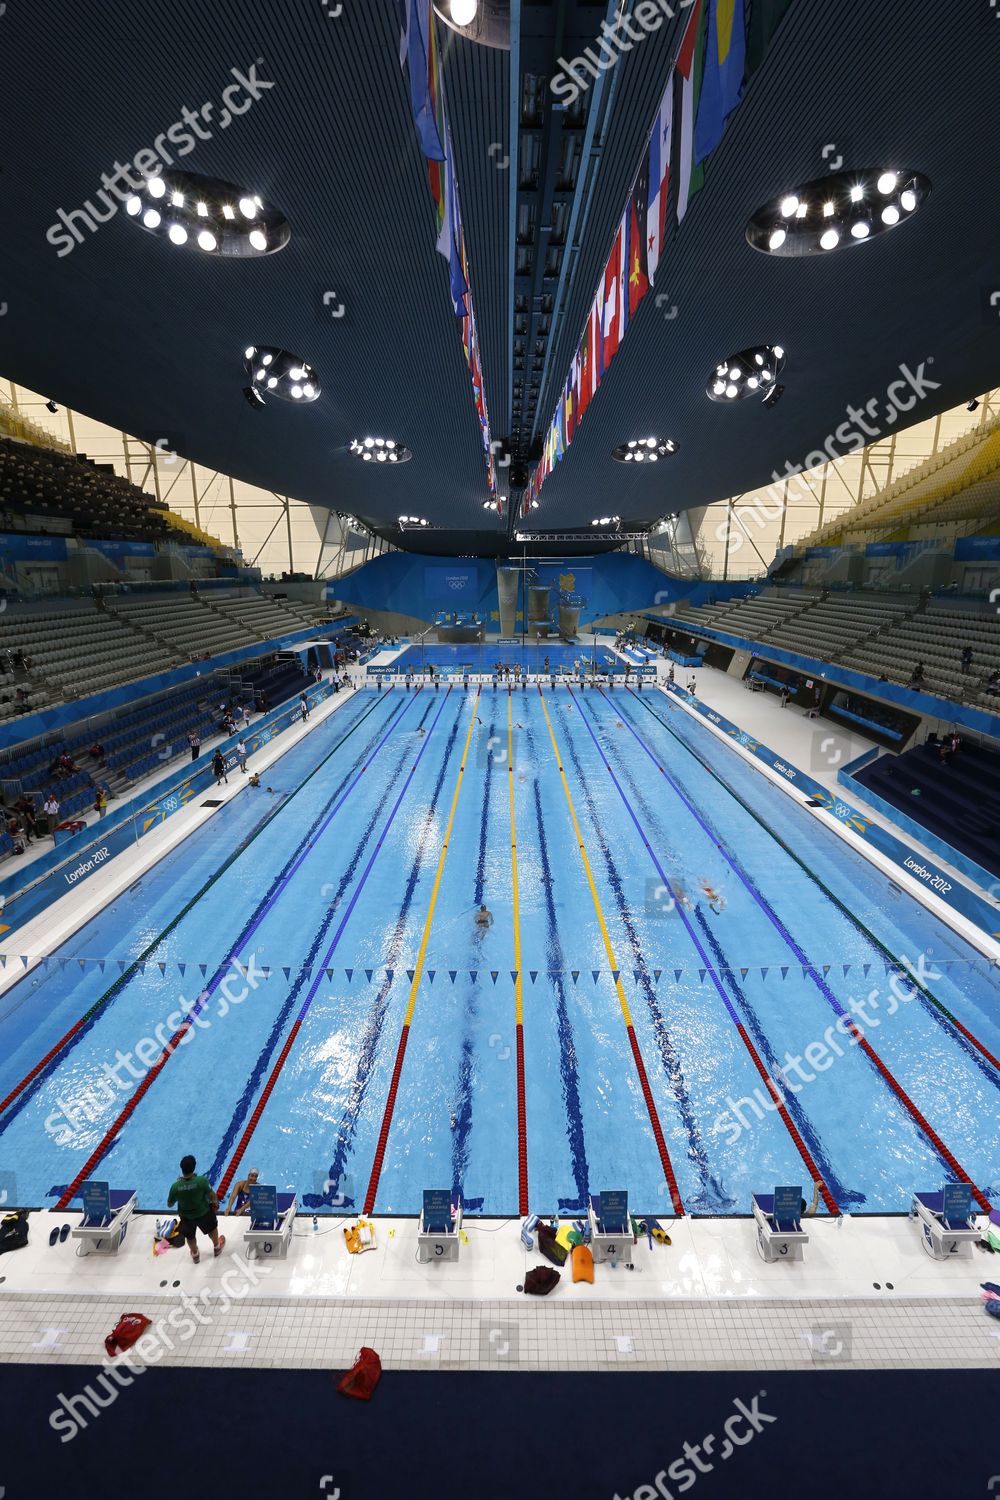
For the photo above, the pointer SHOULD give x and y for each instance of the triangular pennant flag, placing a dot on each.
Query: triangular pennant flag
(121, 964)
(596, 973)
(763, 973)
(162, 968)
(350, 974)
(368, 975)
(287, 973)
(677, 975)
(744, 973)
(636, 975)
(865, 968)
(24, 959)
(494, 975)
(784, 972)
(409, 974)
(266, 973)
(554, 973)
(430, 974)
(614, 974)
(328, 973)
(888, 968)
(142, 967)
(389, 973)
(473, 975)
(846, 968)
(532, 975)
(100, 964)
(204, 969)
(826, 970)
(574, 974)
(82, 962)
(64, 961)
(514, 974)
(451, 974)
(656, 975)
(181, 968)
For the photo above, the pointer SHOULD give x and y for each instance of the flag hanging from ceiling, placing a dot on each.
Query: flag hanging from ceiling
(722, 74)
(636, 262)
(689, 70)
(611, 306)
(702, 90)
(418, 51)
(658, 168)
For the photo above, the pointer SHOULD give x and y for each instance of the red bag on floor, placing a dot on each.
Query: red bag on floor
(363, 1376)
(129, 1328)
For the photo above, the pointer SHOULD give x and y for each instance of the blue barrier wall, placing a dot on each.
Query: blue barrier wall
(914, 861)
(614, 583)
(30, 889)
(847, 777)
(888, 692)
(62, 715)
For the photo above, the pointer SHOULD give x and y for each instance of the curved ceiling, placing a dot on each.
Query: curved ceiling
(150, 338)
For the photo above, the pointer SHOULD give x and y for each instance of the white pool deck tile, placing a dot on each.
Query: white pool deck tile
(866, 1294)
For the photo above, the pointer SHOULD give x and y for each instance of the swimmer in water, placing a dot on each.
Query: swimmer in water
(421, 730)
(484, 918)
(715, 901)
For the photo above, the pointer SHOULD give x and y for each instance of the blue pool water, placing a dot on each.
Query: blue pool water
(321, 887)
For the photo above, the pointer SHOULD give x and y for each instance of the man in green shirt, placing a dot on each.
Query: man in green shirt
(197, 1208)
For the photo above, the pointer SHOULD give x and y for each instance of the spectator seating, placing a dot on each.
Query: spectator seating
(183, 623)
(958, 801)
(79, 650)
(62, 487)
(281, 680)
(936, 637)
(262, 615)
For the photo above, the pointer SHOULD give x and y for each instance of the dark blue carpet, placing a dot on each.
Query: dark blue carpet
(214, 1434)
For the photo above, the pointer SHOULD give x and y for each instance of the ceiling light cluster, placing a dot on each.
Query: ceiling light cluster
(276, 372)
(830, 213)
(405, 521)
(607, 521)
(752, 372)
(376, 450)
(644, 450)
(207, 214)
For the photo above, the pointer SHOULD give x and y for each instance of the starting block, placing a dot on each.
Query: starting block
(946, 1220)
(439, 1236)
(780, 1235)
(106, 1213)
(272, 1215)
(610, 1229)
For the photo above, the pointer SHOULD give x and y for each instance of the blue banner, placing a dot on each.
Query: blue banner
(18, 547)
(977, 549)
(451, 586)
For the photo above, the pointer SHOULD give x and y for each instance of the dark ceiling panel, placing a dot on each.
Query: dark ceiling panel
(150, 338)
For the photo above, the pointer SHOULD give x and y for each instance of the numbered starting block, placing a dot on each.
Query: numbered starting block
(780, 1235)
(610, 1230)
(946, 1220)
(440, 1234)
(272, 1215)
(106, 1214)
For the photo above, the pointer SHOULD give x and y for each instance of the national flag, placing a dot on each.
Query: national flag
(418, 48)
(688, 70)
(658, 167)
(636, 276)
(590, 357)
(611, 304)
(451, 238)
(722, 75)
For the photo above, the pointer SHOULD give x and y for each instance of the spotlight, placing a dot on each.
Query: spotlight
(151, 218)
(207, 240)
(248, 208)
(742, 376)
(890, 214)
(177, 234)
(861, 230)
(204, 208)
(133, 206)
(789, 206)
(830, 239)
(50, 405)
(463, 12)
(253, 395)
(855, 206)
(973, 404)
(886, 183)
(777, 239)
(156, 187)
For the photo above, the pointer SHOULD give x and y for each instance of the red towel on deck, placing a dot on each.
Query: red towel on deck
(363, 1376)
(129, 1328)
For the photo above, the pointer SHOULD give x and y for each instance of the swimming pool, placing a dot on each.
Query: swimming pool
(662, 1000)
